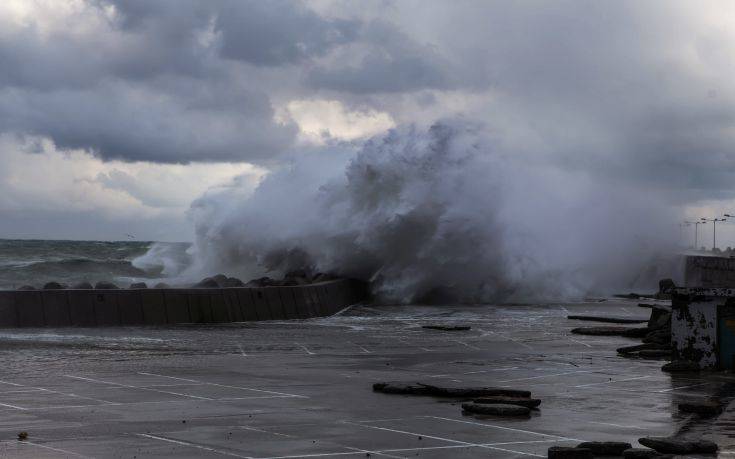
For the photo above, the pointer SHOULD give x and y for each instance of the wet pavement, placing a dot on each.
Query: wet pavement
(303, 388)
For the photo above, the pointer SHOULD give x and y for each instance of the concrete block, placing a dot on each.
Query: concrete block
(154, 307)
(282, 297)
(81, 308)
(262, 309)
(220, 311)
(8, 314)
(177, 307)
(280, 309)
(233, 303)
(129, 307)
(56, 308)
(105, 308)
(313, 298)
(302, 307)
(247, 304)
(328, 297)
(30, 308)
(200, 307)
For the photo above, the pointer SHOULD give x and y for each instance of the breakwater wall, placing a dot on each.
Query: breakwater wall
(711, 272)
(98, 308)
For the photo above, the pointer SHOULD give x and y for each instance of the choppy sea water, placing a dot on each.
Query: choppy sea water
(35, 262)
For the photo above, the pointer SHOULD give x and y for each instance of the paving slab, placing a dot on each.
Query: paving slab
(303, 388)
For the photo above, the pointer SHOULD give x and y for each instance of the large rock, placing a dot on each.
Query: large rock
(138, 285)
(233, 282)
(681, 366)
(496, 409)
(401, 388)
(220, 279)
(611, 320)
(418, 388)
(566, 452)
(161, 285)
(643, 347)
(610, 331)
(660, 318)
(82, 286)
(605, 448)
(644, 453)
(207, 282)
(103, 285)
(666, 285)
(703, 409)
(655, 354)
(262, 282)
(447, 327)
(520, 401)
(26, 287)
(679, 446)
(53, 286)
(298, 277)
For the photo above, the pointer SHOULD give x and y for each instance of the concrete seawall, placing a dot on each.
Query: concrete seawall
(702, 271)
(97, 308)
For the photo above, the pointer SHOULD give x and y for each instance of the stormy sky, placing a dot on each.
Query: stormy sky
(116, 115)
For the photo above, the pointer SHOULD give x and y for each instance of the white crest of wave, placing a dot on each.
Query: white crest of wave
(445, 211)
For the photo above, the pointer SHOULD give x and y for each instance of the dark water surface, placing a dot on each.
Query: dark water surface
(35, 262)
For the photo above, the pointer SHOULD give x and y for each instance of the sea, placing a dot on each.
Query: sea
(36, 262)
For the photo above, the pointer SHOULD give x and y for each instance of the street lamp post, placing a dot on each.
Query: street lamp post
(714, 228)
(696, 232)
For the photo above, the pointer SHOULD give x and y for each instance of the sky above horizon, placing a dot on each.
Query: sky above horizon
(116, 115)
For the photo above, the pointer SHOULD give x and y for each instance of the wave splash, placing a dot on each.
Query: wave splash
(447, 212)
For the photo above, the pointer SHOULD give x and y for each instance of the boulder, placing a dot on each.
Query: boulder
(611, 320)
(643, 453)
(670, 445)
(26, 287)
(207, 282)
(401, 388)
(642, 347)
(660, 336)
(666, 285)
(299, 276)
(654, 354)
(220, 279)
(566, 452)
(681, 366)
(605, 448)
(138, 285)
(610, 331)
(53, 286)
(418, 388)
(520, 401)
(161, 285)
(323, 277)
(474, 392)
(496, 409)
(703, 409)
(83, 286)
(233, 282)
(636, 332)
(447, 327)
(103, 285)
(660, 318)
(261, 282)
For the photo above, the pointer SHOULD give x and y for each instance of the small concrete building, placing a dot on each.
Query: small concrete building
(703, 326)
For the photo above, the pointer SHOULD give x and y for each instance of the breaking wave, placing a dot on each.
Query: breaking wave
(444, 213)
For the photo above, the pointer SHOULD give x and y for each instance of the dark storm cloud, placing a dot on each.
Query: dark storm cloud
(181, 81)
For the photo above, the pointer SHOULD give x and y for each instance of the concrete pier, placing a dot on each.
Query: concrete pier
(98, 308)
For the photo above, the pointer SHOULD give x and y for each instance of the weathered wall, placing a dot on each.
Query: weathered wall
(702, 271)
(694, 328)
(92, 308)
